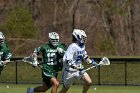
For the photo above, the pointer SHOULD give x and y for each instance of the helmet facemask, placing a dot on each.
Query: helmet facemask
(83, 39)
(2, 38)
(2, 41)
(54, 39)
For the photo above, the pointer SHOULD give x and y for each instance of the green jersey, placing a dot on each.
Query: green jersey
(5, 53)
(52, 60)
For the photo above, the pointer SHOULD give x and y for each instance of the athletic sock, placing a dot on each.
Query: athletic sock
(31, 90)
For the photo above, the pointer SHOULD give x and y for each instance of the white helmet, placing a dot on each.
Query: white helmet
(54, 38)
(80, 35)
(2, 38)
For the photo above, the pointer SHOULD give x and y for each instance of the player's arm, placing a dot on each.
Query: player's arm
(69, 57)
(61, 50)
(34, 55)
(6, 56)
(37, 51)
(4, 62)
(88, 60)
(5, 59)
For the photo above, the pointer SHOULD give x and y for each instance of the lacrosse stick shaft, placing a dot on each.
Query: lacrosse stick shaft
(89, 68)
(40, 63)
(16, 61)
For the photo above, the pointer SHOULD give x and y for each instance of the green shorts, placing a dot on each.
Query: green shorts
(1, 68)
(47, 75)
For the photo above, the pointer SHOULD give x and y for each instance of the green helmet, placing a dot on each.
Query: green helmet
(54, 38)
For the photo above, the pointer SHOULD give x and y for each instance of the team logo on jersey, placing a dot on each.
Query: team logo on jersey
(51, 50)
(80, 55)
(80, 52)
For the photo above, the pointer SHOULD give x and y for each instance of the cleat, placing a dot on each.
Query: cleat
(29, 90)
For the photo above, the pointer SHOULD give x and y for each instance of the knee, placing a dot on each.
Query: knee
(56, 84)
(89, 82)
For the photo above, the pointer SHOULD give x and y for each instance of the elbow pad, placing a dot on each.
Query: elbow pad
(88, 60)
(85, 58)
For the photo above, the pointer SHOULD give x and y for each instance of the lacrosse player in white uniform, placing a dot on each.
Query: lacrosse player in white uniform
(73, 58)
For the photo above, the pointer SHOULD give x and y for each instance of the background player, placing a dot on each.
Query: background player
(5, 53)
(73, 62)
(52, 54)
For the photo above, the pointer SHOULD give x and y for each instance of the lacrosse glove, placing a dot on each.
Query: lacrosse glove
(81, 69)
(35, 63)
(34, 60)
(60, 50)
(94, 63)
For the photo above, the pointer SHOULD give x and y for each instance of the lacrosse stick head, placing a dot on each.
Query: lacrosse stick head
(31, 61)
(28, 59)
(104, 61)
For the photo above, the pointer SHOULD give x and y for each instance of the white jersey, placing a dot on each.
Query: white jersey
(75, 54)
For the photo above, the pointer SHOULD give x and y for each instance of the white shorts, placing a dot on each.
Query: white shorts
(69, 81)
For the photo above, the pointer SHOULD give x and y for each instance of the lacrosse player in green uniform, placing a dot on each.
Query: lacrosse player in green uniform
(52, 54)
(5, 54)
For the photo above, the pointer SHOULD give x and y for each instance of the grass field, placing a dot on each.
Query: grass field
(113, 74)
(21, 88)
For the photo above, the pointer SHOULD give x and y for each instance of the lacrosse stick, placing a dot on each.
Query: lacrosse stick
(29, 60)
(104, 61)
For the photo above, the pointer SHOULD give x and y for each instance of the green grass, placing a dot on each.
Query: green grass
(21, 88)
